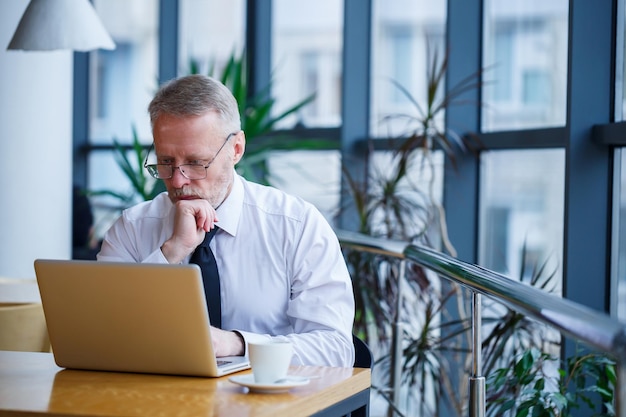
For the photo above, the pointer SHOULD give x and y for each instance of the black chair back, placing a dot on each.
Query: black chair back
(362, 353)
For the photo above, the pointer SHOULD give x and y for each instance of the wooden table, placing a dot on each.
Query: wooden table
(31, 384)
(22, 321)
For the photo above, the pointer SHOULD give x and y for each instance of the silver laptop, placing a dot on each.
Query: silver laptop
(129, 317)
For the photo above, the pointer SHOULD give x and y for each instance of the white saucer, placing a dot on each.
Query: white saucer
(289, 382)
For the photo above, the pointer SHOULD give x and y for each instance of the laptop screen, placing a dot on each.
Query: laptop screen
(129, 317)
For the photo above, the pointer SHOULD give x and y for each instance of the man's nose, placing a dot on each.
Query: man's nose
(178, 179)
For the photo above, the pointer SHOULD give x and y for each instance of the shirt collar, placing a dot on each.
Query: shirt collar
(229, 212)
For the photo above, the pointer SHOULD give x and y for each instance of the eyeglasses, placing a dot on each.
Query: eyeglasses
(189, 171)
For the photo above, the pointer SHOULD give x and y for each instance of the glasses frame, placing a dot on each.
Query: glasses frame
(153, 168)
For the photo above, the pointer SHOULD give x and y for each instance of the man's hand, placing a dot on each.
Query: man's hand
(192, 220)
(227, 343)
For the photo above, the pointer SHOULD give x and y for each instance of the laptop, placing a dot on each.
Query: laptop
(129, 317)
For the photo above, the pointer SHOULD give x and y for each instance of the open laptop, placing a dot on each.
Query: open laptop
(129, 317)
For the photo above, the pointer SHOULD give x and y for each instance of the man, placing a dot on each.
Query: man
(281, 271)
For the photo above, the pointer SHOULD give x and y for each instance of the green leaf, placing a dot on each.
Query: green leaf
(507, 405)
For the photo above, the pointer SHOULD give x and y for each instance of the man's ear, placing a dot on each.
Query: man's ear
(239, 146)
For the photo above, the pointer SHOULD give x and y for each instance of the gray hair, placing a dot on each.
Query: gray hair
(195, 95)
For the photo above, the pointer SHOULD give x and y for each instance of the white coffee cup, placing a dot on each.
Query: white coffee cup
(269, 360)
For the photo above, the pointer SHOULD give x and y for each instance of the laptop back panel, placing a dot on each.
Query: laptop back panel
(129, 317)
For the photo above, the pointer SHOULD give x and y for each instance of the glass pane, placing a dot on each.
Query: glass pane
(210, 32)
(619, 242)
(314, 176)
(521, 213)
(122, 81)
(306, 59)
(525, 62)
(406, 35)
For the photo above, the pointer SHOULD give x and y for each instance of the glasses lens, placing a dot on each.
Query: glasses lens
(160, 171)
(193, 171)
(152, 170)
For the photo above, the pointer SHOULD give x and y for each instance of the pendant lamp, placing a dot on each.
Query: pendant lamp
(49, 25)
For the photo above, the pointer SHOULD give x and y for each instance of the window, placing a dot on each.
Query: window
(521, 212)
(306, 57)
(405, 38)
(123, 80)
(122, 83)
(306, 61)
(525, 64)
(312, 175)
(210, 32)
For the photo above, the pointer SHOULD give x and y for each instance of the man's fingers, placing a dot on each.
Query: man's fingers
(205, 220)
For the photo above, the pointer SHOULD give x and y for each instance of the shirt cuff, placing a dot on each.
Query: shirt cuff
(249, 337)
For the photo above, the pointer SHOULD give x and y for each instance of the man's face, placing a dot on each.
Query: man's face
(196, 140)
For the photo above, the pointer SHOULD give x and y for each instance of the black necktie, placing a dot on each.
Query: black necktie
(204, 258)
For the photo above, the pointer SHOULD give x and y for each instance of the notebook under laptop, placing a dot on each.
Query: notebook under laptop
(129, 317)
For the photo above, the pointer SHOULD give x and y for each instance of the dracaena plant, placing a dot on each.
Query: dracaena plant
(390, 204)
(434, 321)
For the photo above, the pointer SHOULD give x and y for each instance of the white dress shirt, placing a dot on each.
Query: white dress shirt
(282, 273)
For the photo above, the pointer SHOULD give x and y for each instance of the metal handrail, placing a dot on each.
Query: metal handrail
(579, 322)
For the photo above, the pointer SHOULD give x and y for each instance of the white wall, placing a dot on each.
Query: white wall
(35, 151)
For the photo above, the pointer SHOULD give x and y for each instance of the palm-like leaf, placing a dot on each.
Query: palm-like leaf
(143, 187)
(426, 134)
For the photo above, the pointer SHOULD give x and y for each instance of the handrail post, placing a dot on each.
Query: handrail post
(477, 381)
(396, 348)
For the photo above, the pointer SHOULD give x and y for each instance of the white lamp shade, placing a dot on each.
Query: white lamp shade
(60, 24)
